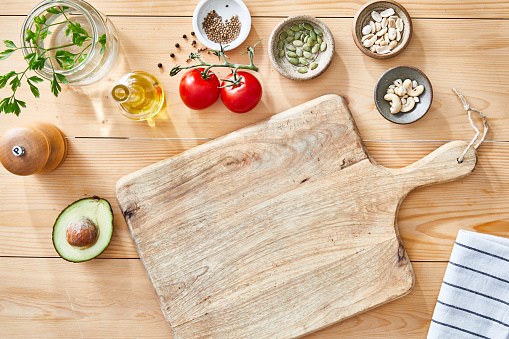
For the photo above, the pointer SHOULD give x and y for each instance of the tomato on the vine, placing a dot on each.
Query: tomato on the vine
(197, 93)
(243, 97)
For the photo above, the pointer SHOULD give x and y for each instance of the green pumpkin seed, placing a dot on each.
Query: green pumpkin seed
(312, 34)
(290, 32)
(281, 53)
(295, 28)
(280, 44)
(291, 54)
(302, 70)
(291, 47)
(294, 61)
(301, 26)
(307, 48)
(306, 38)
(311, 41)
(319, 39)
(289, 38)
(299, 53)
(297, 43)
(307, 26)
(303, 61)
(315, 48)
(283, 36)
(318, 32)
(313, 65)
(297, 35)
(308, 55)
(323, 46)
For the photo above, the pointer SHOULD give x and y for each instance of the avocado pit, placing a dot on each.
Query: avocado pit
(81, 233)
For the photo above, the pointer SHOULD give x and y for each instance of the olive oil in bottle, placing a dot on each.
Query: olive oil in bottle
(139, 95)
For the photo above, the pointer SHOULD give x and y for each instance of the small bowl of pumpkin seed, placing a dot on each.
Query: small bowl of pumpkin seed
(301, 47)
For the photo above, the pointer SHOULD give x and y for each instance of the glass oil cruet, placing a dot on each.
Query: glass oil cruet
(139, 95)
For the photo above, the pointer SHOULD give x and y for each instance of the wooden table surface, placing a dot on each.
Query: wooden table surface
(462, 44)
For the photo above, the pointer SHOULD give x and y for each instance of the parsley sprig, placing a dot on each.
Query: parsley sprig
(40, 57)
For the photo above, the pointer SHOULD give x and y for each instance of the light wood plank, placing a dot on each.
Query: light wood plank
(478, 69)
(320, 8)
(113, 298)
(429, 218)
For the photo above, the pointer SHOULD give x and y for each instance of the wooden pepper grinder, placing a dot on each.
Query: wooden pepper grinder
(36, 148)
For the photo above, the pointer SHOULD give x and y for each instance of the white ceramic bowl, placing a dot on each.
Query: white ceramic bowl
(226, 9)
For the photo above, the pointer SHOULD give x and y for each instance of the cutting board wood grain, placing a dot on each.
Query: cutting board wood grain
(279, 229)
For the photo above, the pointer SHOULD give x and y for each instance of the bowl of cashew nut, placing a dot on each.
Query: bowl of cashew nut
(403, 94)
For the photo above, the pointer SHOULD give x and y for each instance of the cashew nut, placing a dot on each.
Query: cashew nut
(415, 92)
(401, 91)
(395, 102)
(409, 105)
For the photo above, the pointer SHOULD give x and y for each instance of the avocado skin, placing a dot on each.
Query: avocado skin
(99, 226)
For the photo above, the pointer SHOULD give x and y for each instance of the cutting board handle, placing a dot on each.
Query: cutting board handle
(439, 166)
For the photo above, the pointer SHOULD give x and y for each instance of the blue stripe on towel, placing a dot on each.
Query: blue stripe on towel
(483, 252)
(475, 292)
(474, 313)
(459, 329)
(480, 272)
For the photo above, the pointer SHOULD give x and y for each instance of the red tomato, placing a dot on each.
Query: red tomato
(197, 93)
(243, 97)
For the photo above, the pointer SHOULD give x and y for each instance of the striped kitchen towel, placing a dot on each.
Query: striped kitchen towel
(474, 297)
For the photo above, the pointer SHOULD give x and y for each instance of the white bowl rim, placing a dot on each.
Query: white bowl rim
(244, 17)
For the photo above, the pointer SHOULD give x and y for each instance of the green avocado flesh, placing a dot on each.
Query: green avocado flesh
(95, 210)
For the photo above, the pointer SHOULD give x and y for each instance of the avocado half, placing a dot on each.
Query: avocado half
(83, 229)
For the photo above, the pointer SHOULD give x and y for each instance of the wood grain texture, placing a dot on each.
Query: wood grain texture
(320, 8)
(429, 218)
(479, 69)
(260, 233)
(113, 298)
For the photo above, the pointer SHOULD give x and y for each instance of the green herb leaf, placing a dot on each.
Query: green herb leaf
(5, 78)
(102, 41)
(33, 89)
(53, 10)
(9, 44)
(55, 87)
(79, 34)
(7, 53)
(31, 37)
(15, 83)
(65, 59)
(3, 105)
(62, 78)
(35, 79)
(82, 57)
(41, 19)
(37, 63)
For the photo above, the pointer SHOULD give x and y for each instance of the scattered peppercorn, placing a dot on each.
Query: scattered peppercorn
(172, 55)
(177, 45)
(184, 36)
(192, 33)
(160, 65)
(194, 42)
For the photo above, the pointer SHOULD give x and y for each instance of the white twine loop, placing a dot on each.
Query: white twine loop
(469, 110)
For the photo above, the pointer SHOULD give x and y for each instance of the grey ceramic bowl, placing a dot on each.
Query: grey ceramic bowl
(283, 66)
(387, 79)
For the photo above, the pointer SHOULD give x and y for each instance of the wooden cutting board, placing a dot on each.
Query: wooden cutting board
(278, 229)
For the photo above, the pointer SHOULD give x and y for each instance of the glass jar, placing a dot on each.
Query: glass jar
(92, 67)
